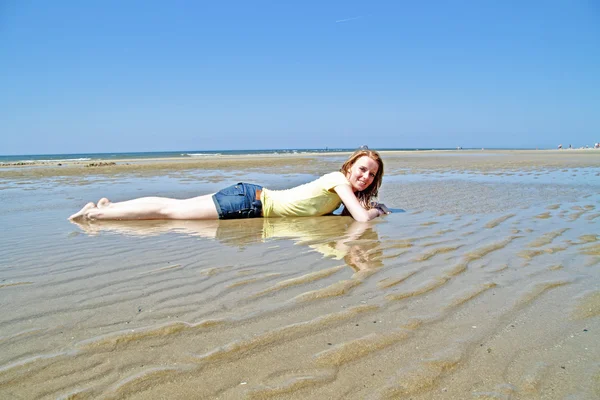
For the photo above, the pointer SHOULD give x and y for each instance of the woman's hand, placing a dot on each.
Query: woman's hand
(356, 209)
(381, 207)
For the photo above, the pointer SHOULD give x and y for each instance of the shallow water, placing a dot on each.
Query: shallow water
(481, 289)
(569, 177)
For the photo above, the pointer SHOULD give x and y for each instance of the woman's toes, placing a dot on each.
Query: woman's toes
(103, 202)
(83, 211)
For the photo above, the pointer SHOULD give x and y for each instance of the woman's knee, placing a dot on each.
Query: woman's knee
(171, 210)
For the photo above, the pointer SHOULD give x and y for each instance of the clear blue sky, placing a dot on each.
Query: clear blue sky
(106, 76)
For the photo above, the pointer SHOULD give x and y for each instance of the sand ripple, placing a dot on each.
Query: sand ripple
(417, 305)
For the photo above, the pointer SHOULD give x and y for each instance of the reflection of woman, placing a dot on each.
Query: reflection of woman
(355, 185)
(365, 252)
(339, 238)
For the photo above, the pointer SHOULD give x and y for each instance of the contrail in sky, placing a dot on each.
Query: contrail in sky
(347, 19)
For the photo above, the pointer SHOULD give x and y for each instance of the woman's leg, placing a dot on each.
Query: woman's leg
(201, 207)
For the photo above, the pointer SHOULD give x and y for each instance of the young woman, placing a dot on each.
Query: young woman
(355, 185)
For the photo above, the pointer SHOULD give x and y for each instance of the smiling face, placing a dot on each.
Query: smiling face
(362, 173)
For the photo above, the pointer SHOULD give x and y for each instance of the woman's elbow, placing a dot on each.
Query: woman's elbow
(362, 218)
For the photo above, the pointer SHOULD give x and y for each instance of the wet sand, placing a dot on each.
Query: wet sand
(402, 162)
(486, 287)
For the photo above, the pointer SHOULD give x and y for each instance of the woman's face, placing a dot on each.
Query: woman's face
(362, 173)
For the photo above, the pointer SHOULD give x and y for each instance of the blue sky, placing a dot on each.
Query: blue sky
(109, 76)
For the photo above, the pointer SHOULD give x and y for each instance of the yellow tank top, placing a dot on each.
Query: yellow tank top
(311, 199)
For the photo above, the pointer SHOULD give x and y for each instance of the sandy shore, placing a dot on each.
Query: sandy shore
(486, 287)
(408, 161)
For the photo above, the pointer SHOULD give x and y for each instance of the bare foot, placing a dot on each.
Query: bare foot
(103, 202)
(82, 213)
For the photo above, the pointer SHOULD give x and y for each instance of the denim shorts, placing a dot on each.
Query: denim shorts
(238, 201)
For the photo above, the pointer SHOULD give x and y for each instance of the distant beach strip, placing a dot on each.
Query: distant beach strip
(81, 157)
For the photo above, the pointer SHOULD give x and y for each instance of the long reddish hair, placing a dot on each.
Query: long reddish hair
(364, 197)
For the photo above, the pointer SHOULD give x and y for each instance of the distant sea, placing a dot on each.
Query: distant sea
(35, 158)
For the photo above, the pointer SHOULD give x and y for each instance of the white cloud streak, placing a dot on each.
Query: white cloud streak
(347, 19)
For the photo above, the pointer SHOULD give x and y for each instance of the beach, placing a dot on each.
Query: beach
(483, 283)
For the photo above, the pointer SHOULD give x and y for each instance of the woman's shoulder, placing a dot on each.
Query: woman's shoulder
(335, 175)
(333, 179)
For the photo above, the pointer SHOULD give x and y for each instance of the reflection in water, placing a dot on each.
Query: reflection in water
(357, 243)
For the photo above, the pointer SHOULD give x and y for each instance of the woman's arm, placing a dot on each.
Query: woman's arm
(353, 206)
